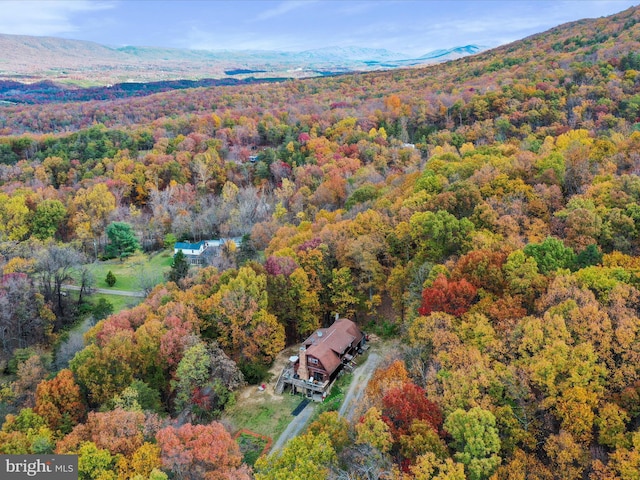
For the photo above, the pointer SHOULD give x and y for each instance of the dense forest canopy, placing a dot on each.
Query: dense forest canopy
(485, 212)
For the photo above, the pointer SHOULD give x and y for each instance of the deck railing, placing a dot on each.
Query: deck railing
(287, 377)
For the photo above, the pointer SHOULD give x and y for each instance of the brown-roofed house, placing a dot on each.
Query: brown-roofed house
(327, 348)
(321, 357)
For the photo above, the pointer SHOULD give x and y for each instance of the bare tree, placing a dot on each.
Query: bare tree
(364, 463)
(20, 322)
(146, 278)
(55, 265)
(86, 281)
(30, 373)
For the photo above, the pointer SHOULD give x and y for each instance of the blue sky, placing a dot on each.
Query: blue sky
(407, 26)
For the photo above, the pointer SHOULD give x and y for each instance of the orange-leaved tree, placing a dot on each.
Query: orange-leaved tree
(195, 452)
(60, 402)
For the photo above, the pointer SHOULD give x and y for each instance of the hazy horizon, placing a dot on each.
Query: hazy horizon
(403, 26)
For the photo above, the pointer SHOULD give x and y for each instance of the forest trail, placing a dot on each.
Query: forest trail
(73, 344)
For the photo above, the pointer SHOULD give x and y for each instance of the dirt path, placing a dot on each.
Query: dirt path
(361, 377)
(246, 396)
(123, 293)
(73, 344)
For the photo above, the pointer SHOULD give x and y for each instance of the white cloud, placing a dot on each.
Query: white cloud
(48, 17)
(283, 8)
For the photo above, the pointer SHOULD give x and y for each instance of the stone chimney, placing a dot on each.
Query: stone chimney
(303, 372)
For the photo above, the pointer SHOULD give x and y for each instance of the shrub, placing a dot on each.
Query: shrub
(110, 279)
(254, 373)
(102, 309)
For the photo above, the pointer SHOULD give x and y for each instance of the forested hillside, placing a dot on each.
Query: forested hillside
(484, 212)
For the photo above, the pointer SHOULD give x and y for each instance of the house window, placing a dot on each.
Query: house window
(313, 361)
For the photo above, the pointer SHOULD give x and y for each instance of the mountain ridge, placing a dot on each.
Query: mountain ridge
(29, 58)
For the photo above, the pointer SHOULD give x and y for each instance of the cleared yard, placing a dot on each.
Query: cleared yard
(265, 414)
(119, 302)
(128, 273)
(263, 411)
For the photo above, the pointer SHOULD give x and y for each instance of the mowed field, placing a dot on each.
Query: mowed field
(129, 272)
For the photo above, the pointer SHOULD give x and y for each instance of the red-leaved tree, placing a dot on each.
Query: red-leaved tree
(452, 297)
(401, 406)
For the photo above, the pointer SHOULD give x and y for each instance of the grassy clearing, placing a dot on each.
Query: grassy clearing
(162, 260)
(128, 272)
(269, 418)
(119, 302)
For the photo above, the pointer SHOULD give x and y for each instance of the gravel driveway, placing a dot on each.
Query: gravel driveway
(361, 377)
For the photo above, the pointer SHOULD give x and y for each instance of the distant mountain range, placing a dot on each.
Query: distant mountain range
(32, 59)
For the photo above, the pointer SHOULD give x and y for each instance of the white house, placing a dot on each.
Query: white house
(194, 251)
(190, 248)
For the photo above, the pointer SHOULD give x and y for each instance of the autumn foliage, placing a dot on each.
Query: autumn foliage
(403, 405)
(60, 402)
(484, 212)
(201, 452)
(450, 296)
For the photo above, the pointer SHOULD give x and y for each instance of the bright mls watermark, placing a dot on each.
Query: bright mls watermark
(50, 467)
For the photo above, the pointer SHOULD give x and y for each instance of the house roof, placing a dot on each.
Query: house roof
(188, 246)
(329, 344)
(219, 242)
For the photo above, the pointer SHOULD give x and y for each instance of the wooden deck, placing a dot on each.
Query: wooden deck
(302, 386)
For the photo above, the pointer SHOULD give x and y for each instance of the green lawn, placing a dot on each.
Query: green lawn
(251, 447)
(269, 418)
(129, 271)
(162, 259)
(129, 274)
(119, 302)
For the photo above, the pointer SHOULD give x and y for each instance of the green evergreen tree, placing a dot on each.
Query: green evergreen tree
(247, 250)
(179, 267)
(123, 240)
(110, 279)
(589, 256)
